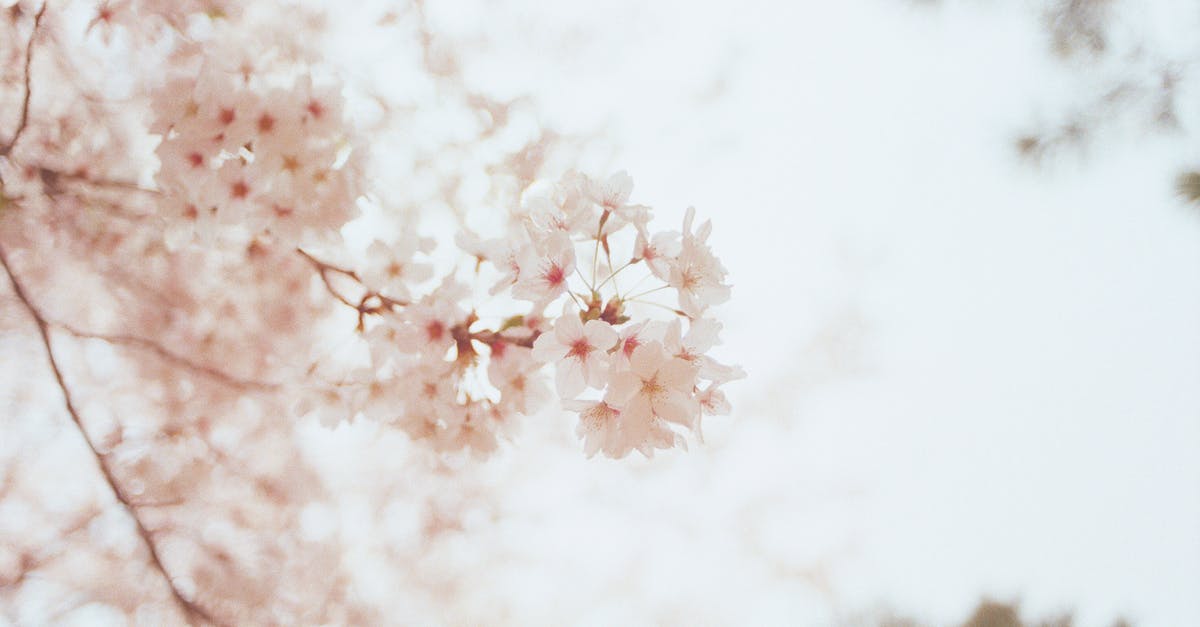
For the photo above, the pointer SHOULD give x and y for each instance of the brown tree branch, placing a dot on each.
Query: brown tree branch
(167, 355)
(371, 302)
(37, 22)
(324, 269)
(190, 610)
(106, 184)
(375, 303)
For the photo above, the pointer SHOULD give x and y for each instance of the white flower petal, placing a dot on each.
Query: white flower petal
(646, 359)
(600, 334)
(569, 378)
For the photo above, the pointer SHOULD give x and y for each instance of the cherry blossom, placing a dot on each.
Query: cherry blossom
(696, 273)
(426, 326)
(599, 427)
(692, 347)
(392, 269)
(657, 252)
(516, 374)
(543, 275)
(612, 195)
(656, 385)
(579, 350)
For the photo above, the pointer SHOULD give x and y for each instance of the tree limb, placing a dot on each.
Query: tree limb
(164, 353)
(190, 610)
(37, 22)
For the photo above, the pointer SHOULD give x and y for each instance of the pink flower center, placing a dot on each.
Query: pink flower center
(435, 330)
(555, 276)
(651, 387)
(239, 189)
(580, 349)
(690, 279)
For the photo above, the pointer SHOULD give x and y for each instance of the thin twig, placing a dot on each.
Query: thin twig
(492, 337)
(190, 610)
(163, 352)
(323, 269)
(116, 185)
(37, 22)
(371, 302)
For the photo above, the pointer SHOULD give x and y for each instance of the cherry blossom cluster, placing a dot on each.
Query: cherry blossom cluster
(274, 160)
(262, 153)
(635, 381)
(444, 374)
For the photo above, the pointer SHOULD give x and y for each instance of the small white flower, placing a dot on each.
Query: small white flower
(696, 273)
(425, 326)
(543, 275)
(513, 370)
(391, 269)
(655, 386)
(599, 427)
(579, 352)
(657, 252)
(634, 335)
(701, 337)
(612, 196)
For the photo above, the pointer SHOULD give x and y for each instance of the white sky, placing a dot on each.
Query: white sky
(967, 376)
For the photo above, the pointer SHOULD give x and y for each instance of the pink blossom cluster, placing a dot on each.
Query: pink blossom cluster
(635, 381)
(237, 152)
(638, 383)
(255, 153)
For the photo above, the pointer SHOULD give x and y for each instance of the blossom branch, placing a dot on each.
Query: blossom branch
(112, 185)
(492, 337)
(37, 22)
(371, 302)
(191, 610)
(162, 352)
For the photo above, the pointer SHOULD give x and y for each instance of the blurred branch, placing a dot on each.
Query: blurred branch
(114, 185)
(324, 269)
(164, 353)
(37, 22)
(1079, 26)
(371, 302)
(190, 610)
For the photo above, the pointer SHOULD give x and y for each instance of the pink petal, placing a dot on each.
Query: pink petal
(646, 359)
(600, 334)
(569, 378)
(677, 374)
